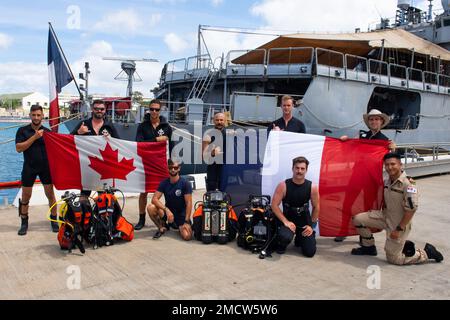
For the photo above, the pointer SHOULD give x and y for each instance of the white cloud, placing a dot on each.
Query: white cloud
(216, 3)
(123, 22)
(322, 15)
(175, 43)
(24, 77)
(5, 41)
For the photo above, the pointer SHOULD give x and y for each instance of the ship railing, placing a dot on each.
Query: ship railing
(330, 63)
(415, 79)
(298, 63)
(198, 66)
(430, 81)
(398, 75)
(444, 84)
(181, 112)
(175, 70)
(357, 68)
(421, 155)
(246, 70)
(378, 72)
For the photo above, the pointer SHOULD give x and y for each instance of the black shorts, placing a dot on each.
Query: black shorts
(29, 175)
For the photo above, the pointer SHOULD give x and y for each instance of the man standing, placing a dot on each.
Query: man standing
(295, 219)
(176, 213)
(154, 128)
(375, 120)
(95, 126)
(29, 141)
(400, 204)
(213, 149)
(287, 122)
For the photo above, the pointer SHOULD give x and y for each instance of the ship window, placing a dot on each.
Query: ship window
(403, 107)
(446, 22)
(438, 24)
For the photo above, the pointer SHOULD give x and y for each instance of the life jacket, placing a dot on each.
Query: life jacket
(215, 219)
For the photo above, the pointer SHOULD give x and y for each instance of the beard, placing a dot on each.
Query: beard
(98, 115)
(36, 122)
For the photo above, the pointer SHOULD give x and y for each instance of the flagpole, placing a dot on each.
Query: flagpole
(65, 59)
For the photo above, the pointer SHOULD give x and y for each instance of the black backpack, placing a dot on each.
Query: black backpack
(257, 225)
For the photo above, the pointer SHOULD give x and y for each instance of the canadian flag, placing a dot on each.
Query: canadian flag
(88, 162)
(349, 174)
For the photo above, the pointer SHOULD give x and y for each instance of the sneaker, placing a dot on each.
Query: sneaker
(432, 253)
(362, 251)
(158, 234)
(339, 239)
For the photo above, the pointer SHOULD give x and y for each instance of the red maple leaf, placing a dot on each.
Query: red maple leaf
(110, 167)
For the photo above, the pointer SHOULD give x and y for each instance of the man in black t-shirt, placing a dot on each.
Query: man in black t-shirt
(154, 128)
(176, 212)
(29, 141)
(287, 122)
(95, 126)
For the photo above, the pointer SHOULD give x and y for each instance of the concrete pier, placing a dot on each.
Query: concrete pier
(33, 266)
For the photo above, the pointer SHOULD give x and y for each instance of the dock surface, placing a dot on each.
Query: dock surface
(33, 266)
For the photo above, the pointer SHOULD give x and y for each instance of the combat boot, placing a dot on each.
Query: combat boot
(362, 251)
(141, 222)
(24, 226)
(54, 225)
(432, 252)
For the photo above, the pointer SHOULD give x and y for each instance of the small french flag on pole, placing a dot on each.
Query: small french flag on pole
(59, 75)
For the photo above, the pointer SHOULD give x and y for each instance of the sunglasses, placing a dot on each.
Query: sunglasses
(155, 110)
(174, 168)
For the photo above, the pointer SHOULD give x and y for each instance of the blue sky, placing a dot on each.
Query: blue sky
(161, 29)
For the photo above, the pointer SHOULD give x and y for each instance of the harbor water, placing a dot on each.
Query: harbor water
(11, 161)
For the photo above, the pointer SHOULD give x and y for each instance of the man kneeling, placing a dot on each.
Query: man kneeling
(295, 219)
(176, 214)
(400, 204)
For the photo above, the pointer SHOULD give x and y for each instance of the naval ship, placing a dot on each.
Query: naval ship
(402, 69)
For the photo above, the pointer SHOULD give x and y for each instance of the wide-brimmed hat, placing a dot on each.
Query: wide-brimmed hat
(376, 112)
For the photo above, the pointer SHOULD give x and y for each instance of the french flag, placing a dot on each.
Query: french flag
(349, 174)
(88, 162)
(59, 75)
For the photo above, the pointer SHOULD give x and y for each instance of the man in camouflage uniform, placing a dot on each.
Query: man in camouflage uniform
(400, 204)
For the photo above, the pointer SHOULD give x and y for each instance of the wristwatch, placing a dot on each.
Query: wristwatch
(188, 222)
(399, 228)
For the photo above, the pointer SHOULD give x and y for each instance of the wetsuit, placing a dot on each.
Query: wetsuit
(35, 157)
(296, 210)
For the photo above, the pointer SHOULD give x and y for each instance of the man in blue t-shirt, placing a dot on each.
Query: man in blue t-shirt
(176, 213)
